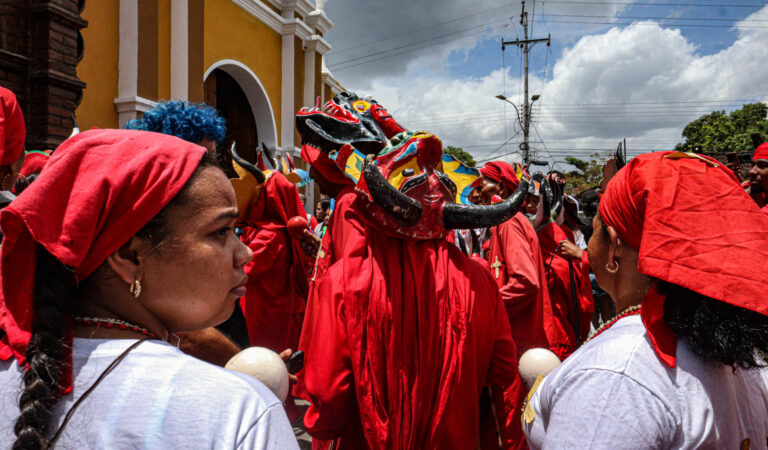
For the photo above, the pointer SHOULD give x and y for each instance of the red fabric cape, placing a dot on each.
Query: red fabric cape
(97, 191)
(404, 335)
(273, 305)
(12, 128)
(693, 226)
(559, 287)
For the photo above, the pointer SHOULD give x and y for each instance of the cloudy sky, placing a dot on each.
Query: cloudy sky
(616, 69)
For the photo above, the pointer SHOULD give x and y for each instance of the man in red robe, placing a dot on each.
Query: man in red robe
(758, 177)
(406, 329)
(516, 265)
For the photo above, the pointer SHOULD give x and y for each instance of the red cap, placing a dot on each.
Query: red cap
(761, 152)
(693, 226)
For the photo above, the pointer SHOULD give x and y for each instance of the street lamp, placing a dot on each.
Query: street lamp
(525, 122)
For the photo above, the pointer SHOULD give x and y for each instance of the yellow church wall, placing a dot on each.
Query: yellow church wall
(98, 68)
(231, 33)
(163, 49)
(298, 82)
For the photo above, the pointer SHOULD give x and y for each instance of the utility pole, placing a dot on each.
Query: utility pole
(525, 44)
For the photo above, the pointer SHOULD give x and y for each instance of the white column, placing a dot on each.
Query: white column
(287, 98)
(128, 64)
(309, 72)
(179, 50)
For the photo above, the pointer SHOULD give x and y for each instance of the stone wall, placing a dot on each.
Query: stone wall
(40, 46)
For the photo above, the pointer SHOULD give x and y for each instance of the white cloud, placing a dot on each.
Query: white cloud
(627, 75)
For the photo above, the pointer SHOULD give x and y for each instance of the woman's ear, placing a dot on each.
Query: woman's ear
(616, 245)
(128, 261)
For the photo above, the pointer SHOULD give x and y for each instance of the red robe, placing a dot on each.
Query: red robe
(273, 305)
(560, 293)
(405, 334)
(517, 266)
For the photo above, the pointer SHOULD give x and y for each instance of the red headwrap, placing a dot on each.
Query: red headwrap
(693, 226)
(501, 172)
(761, 152)
(98, 190)
(34, 161)
(12, 128)
(325, 165)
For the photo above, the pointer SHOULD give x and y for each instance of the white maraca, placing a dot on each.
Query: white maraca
(535, 362)
(264, 365)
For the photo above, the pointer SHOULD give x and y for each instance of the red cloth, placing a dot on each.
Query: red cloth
(273, 305)
(404, 335)
(693, 226)
(97, 191)
(515, 254)
(34, 161)
(501, 172)
(761, 152)
(12, 128)
(325, 165)
(558, 274)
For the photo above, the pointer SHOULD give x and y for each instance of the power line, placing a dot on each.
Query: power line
(681, 25)
(658, 18)
(697, 5)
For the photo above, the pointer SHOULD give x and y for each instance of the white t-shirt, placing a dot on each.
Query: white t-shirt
(614, 392)
(156, 397)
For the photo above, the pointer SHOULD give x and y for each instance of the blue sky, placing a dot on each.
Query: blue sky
(635, 70)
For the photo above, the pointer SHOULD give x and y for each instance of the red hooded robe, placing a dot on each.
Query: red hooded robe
(516, 264)
(402, 341)
(273, 305)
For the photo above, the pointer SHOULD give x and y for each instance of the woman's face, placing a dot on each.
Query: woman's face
(488, 189)
(597, 252)
(193, 280)
(531, 204)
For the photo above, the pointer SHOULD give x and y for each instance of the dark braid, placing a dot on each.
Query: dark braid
(52, 303)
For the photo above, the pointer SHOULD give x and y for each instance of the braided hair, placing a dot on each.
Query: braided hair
(52, 304)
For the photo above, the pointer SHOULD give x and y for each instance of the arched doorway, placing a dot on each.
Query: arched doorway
(223, 91)
(237, 92)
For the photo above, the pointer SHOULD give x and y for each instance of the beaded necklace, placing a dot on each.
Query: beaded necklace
(631, 311)
(113, 323)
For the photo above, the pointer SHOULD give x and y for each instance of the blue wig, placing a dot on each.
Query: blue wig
(192, 122)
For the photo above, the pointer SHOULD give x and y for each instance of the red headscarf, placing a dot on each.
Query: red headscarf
(325, 165)
(693, 226)
(34, 161)
(761, 152)
(12, 128)
(501, 172)
(98, 190)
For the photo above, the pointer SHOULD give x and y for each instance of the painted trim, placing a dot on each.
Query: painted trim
(257, 95)
(179, 50)
(319, 21)
(287, 23)
(128, 108)
(318, 44)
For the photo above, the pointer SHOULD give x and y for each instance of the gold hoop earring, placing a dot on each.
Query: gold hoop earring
(612, 268)
(135, 288)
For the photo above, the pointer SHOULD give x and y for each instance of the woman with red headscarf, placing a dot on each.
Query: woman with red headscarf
(125, 239)
(681, 365)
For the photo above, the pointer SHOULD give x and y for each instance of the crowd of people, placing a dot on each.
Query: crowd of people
(136, 262)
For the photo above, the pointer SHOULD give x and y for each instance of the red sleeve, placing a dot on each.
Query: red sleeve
(523, 281)
(503, 368)
(327, 373)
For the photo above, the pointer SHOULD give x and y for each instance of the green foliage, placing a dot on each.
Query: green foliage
(586, 175)
(461, 155)
(723, 133)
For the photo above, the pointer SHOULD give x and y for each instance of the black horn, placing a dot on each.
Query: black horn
(404, 209)
(258, 174)
(456, 215)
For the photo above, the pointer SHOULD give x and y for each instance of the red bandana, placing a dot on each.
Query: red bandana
(98, 190)
(501, 172)
(12, 128)
(34, 161)
(761, 152)
(693, 226)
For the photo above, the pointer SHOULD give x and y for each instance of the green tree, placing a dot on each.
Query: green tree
(718, 132)
(461, 155)
(587, 173)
